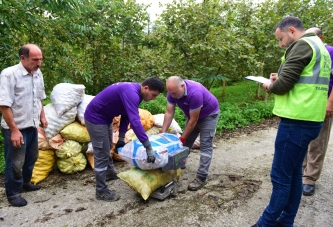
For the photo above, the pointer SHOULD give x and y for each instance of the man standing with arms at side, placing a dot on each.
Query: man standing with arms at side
(202, 111)
(300, 101)
(314, 160)
(123, 99)
(21, 94)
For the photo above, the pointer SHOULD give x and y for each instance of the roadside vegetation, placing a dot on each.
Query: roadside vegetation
(216, 42)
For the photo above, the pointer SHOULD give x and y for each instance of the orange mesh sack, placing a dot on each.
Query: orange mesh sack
(146, 118)
(56, 141)
(43, 143)
(90, 159)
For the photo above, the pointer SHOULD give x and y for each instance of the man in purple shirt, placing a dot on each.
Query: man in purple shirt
(202, 111)
(123, 99)
(314, 160)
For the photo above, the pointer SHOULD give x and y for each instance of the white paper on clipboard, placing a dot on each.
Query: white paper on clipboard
(259, 79)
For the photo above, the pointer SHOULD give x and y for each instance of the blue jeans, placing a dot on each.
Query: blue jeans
(20, 161)
(291, 145)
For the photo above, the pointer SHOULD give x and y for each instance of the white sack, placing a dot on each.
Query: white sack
(135, 154)
(81, 108)
(65, 96)
(90, 148)
(56, 124)
(174, 127)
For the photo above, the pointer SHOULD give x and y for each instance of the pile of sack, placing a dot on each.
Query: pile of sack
(66, 142)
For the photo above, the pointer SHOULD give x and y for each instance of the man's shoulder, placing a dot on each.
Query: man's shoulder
(193, 86)
(329, 48)
(10, 69)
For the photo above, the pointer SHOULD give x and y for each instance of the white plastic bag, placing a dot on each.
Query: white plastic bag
(81, 108)
(90, 148)
(56, 123)
(65, 96)
(174, 127)
(135, 154)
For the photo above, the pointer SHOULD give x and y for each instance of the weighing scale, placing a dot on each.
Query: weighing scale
(176, 160)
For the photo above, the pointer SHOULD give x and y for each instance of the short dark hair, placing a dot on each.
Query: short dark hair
(154, 84)
(290, 21)
(24, 51)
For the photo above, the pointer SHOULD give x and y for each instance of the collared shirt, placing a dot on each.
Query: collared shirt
(196, 96)
(23, 93)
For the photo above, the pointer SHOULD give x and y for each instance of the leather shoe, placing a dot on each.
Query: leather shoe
(278, 224)
(111, 176)
(308, 189)
(17, 200)
(30, 187)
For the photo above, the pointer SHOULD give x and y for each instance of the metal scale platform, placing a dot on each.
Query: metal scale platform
(176, 160)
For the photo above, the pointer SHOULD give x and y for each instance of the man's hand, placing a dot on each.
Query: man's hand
(16, 138)
(266, 86)
(182, 140)
(329, 109)
(150, 154)
(119, 145)
(44, 123)
(273, 77)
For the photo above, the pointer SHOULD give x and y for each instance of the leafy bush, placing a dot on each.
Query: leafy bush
(232, 115)
(241, 115)
(156, 106)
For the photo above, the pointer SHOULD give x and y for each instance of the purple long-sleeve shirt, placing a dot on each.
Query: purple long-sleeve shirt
(330, 51)
(118, 99)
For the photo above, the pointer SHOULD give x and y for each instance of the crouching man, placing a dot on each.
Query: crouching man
(202, 111)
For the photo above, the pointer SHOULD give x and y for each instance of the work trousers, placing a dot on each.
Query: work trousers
(314, 160)
(206, 128)
(101, 139)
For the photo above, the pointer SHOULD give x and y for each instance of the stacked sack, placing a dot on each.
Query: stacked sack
(61, 112)
(66, 142)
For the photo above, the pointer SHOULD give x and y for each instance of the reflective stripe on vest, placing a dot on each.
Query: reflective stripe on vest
(316, 69)
(307, 100)
(314, 79)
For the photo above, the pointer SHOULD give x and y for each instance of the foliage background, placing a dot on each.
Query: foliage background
(98, 42)
(216, 42)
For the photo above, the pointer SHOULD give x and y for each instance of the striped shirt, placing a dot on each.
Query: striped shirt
(23, 93)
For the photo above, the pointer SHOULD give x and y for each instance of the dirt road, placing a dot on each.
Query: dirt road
(236, 195)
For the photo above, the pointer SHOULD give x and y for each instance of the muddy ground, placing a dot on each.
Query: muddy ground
(237, 192)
